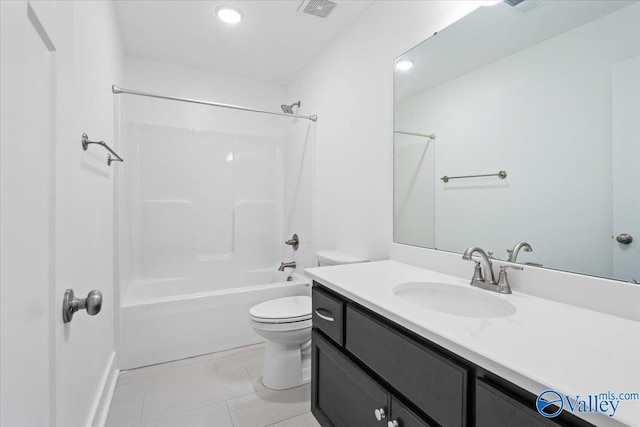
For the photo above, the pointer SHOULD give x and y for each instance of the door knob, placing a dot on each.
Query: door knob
(70, 304)
(393, 423)
(624, 238)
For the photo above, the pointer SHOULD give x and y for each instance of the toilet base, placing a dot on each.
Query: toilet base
(286, 366)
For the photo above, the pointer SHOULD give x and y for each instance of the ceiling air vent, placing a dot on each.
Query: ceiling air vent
(319, 8)
(522, 6)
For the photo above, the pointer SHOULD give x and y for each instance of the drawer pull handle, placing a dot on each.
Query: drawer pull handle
(393, 423)
(380, 414)
(326, 317)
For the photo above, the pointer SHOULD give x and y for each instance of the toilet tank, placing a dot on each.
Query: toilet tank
(337, 258)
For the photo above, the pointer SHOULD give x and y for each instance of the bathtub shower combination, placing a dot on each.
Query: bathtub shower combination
(176, 318)
(202, 223)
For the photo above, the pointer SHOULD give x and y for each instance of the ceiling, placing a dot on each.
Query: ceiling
(273, 43)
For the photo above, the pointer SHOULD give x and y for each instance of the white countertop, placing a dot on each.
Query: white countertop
(544, 345)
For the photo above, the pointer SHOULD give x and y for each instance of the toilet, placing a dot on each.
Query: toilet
(336, 258)
(285, 323)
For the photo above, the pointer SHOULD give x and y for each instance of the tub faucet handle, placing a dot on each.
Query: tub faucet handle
(293, 241)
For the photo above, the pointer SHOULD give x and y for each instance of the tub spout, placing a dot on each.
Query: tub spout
(284, 265)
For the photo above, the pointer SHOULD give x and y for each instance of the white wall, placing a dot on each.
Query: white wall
(349, 85)
(88, 60)
(556, 148)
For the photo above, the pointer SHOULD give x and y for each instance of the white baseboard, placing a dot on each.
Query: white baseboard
(102, 402)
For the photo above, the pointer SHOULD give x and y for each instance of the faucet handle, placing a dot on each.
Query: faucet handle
(503, 281)
(293, 241)
(477, 273)
(510, 252)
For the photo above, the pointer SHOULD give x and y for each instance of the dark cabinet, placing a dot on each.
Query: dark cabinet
(495, 408)
(401, 416)
(433, 383)
(342, 395)
(327, 312)
(369, 372)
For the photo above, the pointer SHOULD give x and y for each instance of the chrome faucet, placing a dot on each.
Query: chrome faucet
(284, 265)
(483, 274)
(513, 253)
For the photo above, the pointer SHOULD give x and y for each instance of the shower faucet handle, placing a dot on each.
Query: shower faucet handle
(293, 242)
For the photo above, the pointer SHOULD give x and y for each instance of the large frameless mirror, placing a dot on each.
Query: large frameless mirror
(517, 129)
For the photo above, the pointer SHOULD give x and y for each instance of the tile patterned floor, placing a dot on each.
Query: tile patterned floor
(220, 389)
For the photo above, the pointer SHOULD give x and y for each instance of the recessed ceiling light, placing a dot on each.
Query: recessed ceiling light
(230, 15)
(404, 65)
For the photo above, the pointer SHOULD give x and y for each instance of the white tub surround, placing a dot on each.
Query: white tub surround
(543, 345)
(179, 318)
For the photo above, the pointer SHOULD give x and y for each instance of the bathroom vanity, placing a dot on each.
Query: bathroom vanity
(380, 357)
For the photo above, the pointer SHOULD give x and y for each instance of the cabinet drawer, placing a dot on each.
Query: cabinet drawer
(434, 384)
(495, 408)
(342, 395)
(328, 314)
(405, 417)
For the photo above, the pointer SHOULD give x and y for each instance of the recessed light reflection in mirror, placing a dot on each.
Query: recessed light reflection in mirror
(230, 15)
(404, 65)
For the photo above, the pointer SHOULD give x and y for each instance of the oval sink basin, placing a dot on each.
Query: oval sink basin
(454, 299)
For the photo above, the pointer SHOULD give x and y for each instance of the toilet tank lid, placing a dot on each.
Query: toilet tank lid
(337, 257)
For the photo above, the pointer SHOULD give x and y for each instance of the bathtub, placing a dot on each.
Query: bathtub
(173, 319)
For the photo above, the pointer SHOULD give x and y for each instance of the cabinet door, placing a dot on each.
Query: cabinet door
(495, 408)
(435, 384)
(341, 394)
(401, 416)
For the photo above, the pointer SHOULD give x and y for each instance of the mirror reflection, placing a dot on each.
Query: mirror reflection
(517, 129)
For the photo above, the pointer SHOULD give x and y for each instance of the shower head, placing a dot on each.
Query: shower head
(289, 108)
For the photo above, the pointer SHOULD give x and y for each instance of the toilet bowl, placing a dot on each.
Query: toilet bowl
(285, 323)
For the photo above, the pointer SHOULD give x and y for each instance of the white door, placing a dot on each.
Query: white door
(626, 177)
(27, 134)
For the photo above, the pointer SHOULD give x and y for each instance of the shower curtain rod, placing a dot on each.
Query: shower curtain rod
(117, 90)
(430, 136)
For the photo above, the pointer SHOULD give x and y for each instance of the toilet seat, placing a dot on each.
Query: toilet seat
(282, 310)
(281, 327)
